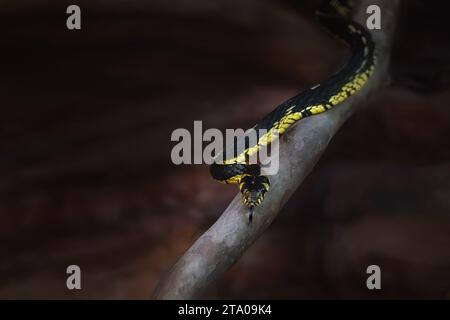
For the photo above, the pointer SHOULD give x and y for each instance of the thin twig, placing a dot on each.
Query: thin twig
(300, 149)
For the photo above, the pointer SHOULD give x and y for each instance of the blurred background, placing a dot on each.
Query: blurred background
(85, 170)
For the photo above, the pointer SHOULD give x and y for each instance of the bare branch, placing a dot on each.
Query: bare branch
(300, 149)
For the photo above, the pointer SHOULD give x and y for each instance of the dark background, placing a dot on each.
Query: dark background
(85, 170)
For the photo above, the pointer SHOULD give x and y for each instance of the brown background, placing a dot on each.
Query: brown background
(85, 170)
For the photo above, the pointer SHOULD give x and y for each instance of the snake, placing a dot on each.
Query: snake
(334, 17)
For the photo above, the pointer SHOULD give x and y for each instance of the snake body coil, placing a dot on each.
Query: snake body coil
(318, 99)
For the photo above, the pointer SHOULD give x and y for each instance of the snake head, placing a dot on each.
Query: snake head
(253, 189)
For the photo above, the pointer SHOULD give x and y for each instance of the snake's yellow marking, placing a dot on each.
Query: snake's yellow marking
(352, 87)
(351, 28)
(235, 179)
(278, 129)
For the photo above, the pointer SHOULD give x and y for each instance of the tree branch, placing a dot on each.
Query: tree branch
(300, 149)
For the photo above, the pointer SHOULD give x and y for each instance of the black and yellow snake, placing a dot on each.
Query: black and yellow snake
(320, 98)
